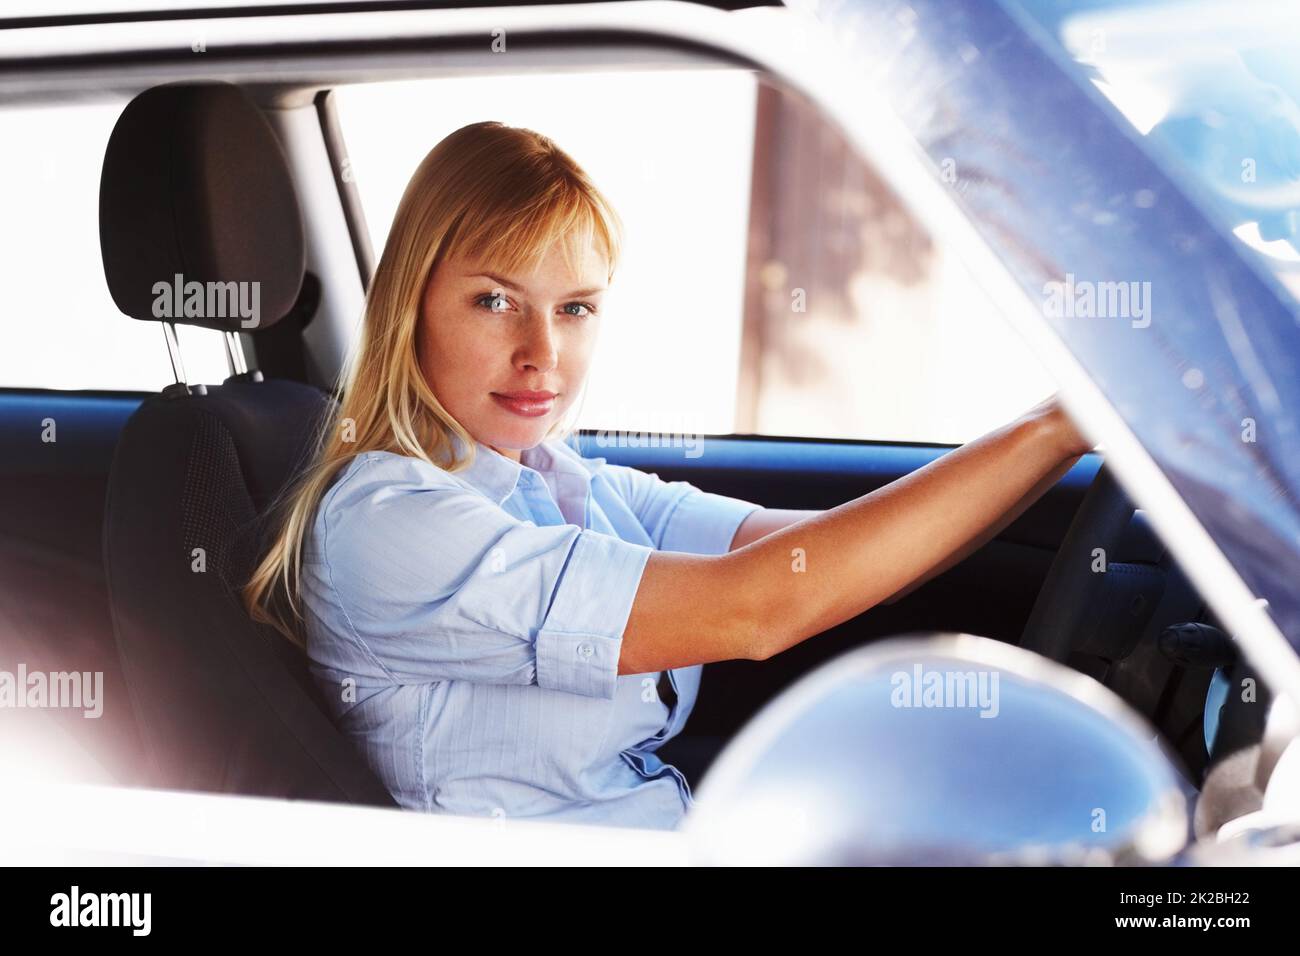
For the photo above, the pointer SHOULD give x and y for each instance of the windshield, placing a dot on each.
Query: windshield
(1167, 279)
(1215, 86)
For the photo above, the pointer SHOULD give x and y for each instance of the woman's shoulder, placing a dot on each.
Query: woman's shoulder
(389, 465)
(373, 472)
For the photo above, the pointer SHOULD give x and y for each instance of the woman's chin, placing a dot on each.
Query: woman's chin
(518, 437)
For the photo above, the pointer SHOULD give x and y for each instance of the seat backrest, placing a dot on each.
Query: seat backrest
(195, 188)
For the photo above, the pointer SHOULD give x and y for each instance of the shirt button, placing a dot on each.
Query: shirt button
(585, 650)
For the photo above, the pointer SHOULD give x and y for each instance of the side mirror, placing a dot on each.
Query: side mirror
(946, 749)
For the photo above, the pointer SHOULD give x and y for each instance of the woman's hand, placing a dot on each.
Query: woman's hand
(1058, 428)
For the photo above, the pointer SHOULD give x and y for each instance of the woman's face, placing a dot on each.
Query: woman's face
(506, 355)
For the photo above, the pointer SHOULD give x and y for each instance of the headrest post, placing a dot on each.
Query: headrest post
(174, 352)
(235, 354)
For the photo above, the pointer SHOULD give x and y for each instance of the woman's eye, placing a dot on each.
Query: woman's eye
(583, 309)
(494, 302)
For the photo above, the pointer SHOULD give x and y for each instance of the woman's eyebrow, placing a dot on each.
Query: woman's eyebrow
(507, 284)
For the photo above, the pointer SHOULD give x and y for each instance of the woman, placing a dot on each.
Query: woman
(489, 612)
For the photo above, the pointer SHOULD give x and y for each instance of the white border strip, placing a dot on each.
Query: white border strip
(73, 823)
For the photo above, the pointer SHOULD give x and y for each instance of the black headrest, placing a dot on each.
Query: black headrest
(195, 185)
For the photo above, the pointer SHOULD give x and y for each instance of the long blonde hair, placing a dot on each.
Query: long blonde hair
(490, 192)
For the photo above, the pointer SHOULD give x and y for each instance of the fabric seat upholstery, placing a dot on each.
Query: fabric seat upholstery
(224, 704)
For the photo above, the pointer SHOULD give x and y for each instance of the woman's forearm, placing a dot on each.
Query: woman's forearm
(765, 521)
(822, 571)
(805, 578)
(997, 528)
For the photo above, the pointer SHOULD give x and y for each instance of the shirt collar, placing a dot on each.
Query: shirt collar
(497, 476)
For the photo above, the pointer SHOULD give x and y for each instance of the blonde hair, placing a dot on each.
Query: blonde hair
(489, 192)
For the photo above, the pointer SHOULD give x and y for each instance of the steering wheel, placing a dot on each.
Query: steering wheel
(1072, 589)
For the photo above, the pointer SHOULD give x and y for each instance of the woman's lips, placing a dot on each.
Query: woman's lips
(526, 404)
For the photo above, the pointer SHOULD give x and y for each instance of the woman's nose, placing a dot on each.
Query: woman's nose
(538, 351)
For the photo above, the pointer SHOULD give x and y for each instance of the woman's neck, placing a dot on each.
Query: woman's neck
(510, 453)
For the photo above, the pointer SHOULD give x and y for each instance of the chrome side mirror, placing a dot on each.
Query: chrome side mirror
(947, 749)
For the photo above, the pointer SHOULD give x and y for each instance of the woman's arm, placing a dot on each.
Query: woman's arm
(766, 520)
(763, 522)
(967, 550)
(806, 577)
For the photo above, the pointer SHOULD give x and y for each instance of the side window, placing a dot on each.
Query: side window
(61, 328)
(859, 324)
(770, 284)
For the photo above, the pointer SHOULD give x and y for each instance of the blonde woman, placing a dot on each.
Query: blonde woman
(504, 627)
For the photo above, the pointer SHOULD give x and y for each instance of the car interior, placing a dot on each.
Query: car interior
(122, 543)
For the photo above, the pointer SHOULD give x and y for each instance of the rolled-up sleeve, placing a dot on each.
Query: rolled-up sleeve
(578, 646)
(436, 582)
(677, 515)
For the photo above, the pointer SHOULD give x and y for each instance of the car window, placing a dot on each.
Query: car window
(771, 285)
(62, 329)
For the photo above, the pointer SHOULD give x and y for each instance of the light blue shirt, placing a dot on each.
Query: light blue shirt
(465, 629)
